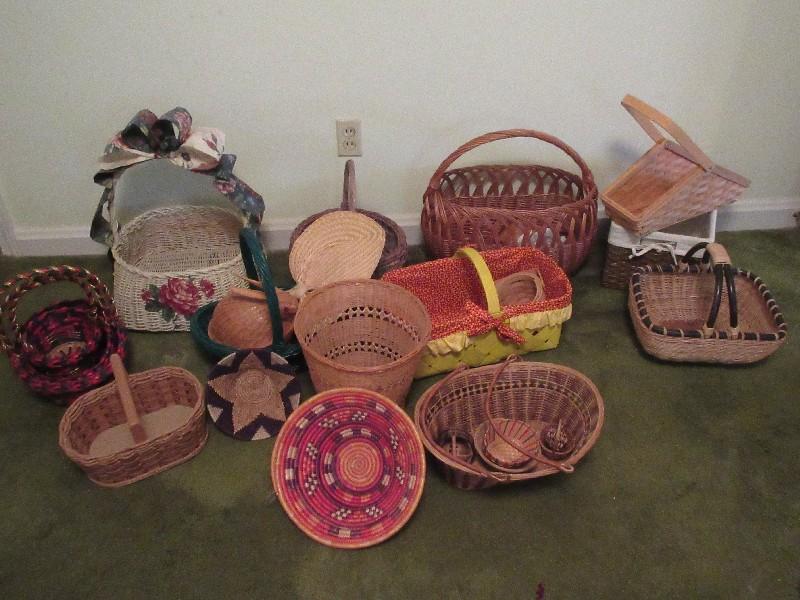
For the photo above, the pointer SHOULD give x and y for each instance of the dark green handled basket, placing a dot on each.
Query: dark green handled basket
(257, 268)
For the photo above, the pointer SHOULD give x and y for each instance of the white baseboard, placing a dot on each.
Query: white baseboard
(747, 214)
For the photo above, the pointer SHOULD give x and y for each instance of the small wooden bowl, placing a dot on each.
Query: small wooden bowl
(498, 453)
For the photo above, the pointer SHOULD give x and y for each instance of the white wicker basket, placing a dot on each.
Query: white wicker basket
(171, 261)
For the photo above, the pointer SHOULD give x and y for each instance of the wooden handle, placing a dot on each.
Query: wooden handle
(648, 117)
(586, 174)
(718, 253)
(485, 277)
(126, 398)
(349, 186)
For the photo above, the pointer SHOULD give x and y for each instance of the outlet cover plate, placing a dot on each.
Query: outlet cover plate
(348, 137)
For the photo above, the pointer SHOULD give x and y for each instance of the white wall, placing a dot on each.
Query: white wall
(422, 77)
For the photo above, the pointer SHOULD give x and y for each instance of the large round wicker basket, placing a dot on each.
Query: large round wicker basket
(536, 394)
(492, 206)
(171, 261)
(363, 333)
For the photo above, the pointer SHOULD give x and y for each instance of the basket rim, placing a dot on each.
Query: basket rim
(409, 356)
(101, 394)
(136, 222)
(427, 397)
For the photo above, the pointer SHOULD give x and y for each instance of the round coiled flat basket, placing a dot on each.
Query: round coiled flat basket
(536, 394)
(363, 333)
(395, 248)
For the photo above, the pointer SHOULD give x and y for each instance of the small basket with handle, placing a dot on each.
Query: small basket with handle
(674, 181)
(711, 312)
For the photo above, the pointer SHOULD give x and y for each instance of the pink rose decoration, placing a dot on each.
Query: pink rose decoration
(207, 288)
(181, 295)
(147, 296)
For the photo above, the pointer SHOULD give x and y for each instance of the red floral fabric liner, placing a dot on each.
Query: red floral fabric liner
(447, 285)
(177, 296)
(349, 467)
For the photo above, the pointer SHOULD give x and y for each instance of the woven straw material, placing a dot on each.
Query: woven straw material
(250, 393)
(349, 468)
(492, 206)
(669, 308)
(338, 246)
(538, 394)
(395, 249)
(192, 250)
(166, 393)
(674, 181)
(62, 350)
(364, 333)
(619, 265)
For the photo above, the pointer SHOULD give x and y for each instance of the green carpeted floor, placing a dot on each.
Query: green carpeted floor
(692, 491)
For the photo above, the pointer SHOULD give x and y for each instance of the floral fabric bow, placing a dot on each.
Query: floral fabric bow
(482, 322)
(148, 137)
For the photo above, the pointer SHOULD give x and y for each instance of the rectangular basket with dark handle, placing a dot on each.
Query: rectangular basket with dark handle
(711, 312)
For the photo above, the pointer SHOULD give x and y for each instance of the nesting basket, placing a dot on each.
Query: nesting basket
(256, 265)
(395, 249)
(711, 312)
(135, 427)
(453, 414)
(627, 251)
(64, 349)
(363, 333)
(478, 314)
(491, 206)
(674, 181)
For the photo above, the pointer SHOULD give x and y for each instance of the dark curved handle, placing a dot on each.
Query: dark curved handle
(723, 272)
(349, 186)
(255, 263)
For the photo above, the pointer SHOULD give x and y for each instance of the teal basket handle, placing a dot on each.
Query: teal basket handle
(255, 263)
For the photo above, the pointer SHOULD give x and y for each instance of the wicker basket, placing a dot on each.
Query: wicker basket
(363, 333)
(535, 394)
(257, 267)
(511, 205)
(626, 251)
(395, 249)
(134, 428)
(471, 323)
(64, 349)
(171, 261)
(672, 182)
(712, 313)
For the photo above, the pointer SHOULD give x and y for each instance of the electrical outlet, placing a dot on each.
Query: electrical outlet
(348, 137)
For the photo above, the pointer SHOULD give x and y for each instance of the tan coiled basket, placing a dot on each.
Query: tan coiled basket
(363, 333)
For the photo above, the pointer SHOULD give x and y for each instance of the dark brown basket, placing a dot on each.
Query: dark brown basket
(620, 265)
(395, 249)
(538, 394)
(491, 206)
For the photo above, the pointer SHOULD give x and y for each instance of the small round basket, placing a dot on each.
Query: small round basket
(363, 333)
(395, 249)
(535, 394)
(171, 261)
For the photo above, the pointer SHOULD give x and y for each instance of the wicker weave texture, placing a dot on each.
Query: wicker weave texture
(100, 410)
(619, 265)
(363, 333)
(395, 249)
(533, 392)
(492, 206)
(183, 243)
(669, 308)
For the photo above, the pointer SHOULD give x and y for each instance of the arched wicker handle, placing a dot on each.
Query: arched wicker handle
(485, 277)
(255, 263)
(586, 174)
(648, 117)
(720, 264)
(14, 289)
(349, 186)
(563, 467)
